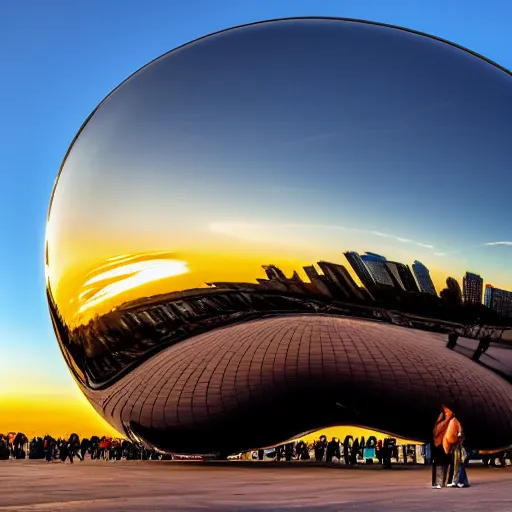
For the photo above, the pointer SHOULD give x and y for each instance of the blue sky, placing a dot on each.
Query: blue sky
(61, 58)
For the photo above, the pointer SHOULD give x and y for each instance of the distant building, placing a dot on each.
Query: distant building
(274, 273)
(228, 285)
(472, 288)
(407, 277)
(378, 269)
(393, 272)
(317, 280)
(423, 278)
(339, 277)
(311, 272)
(498, 300)
(360, 269)
(402, 277)
(296, 278)
(488, 295)
(453, 285)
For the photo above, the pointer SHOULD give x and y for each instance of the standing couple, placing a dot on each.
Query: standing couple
(448, 452)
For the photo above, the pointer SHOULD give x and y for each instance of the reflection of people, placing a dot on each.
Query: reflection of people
(452, 340)
(483, 346)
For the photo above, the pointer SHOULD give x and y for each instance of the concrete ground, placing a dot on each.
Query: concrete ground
(158, 486)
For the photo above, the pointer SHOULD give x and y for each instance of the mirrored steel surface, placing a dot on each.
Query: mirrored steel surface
(318, 176)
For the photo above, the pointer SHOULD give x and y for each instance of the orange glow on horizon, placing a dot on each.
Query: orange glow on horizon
(129, 276)
(52, 414)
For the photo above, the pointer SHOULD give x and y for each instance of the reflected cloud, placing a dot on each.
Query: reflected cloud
(401, 239)
(123, 273)
(466, 250)
(266, 232)
(243, 230)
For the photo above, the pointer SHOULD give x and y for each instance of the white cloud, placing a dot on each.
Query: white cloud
(498, 243)
(400, 239)
(118, 278)
(254, 231)
(232, 228)
(317, 226)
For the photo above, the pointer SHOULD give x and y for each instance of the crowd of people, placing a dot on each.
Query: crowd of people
(17, 446)
(446, 453)
(351, 451)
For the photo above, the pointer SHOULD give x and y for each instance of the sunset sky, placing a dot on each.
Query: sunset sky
(277, 180)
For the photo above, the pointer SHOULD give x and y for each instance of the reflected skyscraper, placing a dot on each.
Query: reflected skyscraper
(360, 269)
(311, 272)
(498, 300)
(488, 295)
(317, 280)
(377, 266)
(454, 287)
(406, 277)
(274, 273)
(342, 280)
(472, 288)
(423, 277)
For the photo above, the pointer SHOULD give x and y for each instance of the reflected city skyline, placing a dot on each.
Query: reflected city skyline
(382, 289)
(360, 278)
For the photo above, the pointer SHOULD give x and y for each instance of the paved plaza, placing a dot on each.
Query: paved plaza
(158, 486)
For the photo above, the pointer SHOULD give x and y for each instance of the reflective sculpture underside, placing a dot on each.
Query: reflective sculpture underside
(261, 382)
(191, 207)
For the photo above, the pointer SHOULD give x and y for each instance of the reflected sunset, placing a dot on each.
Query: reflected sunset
(123, 274)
